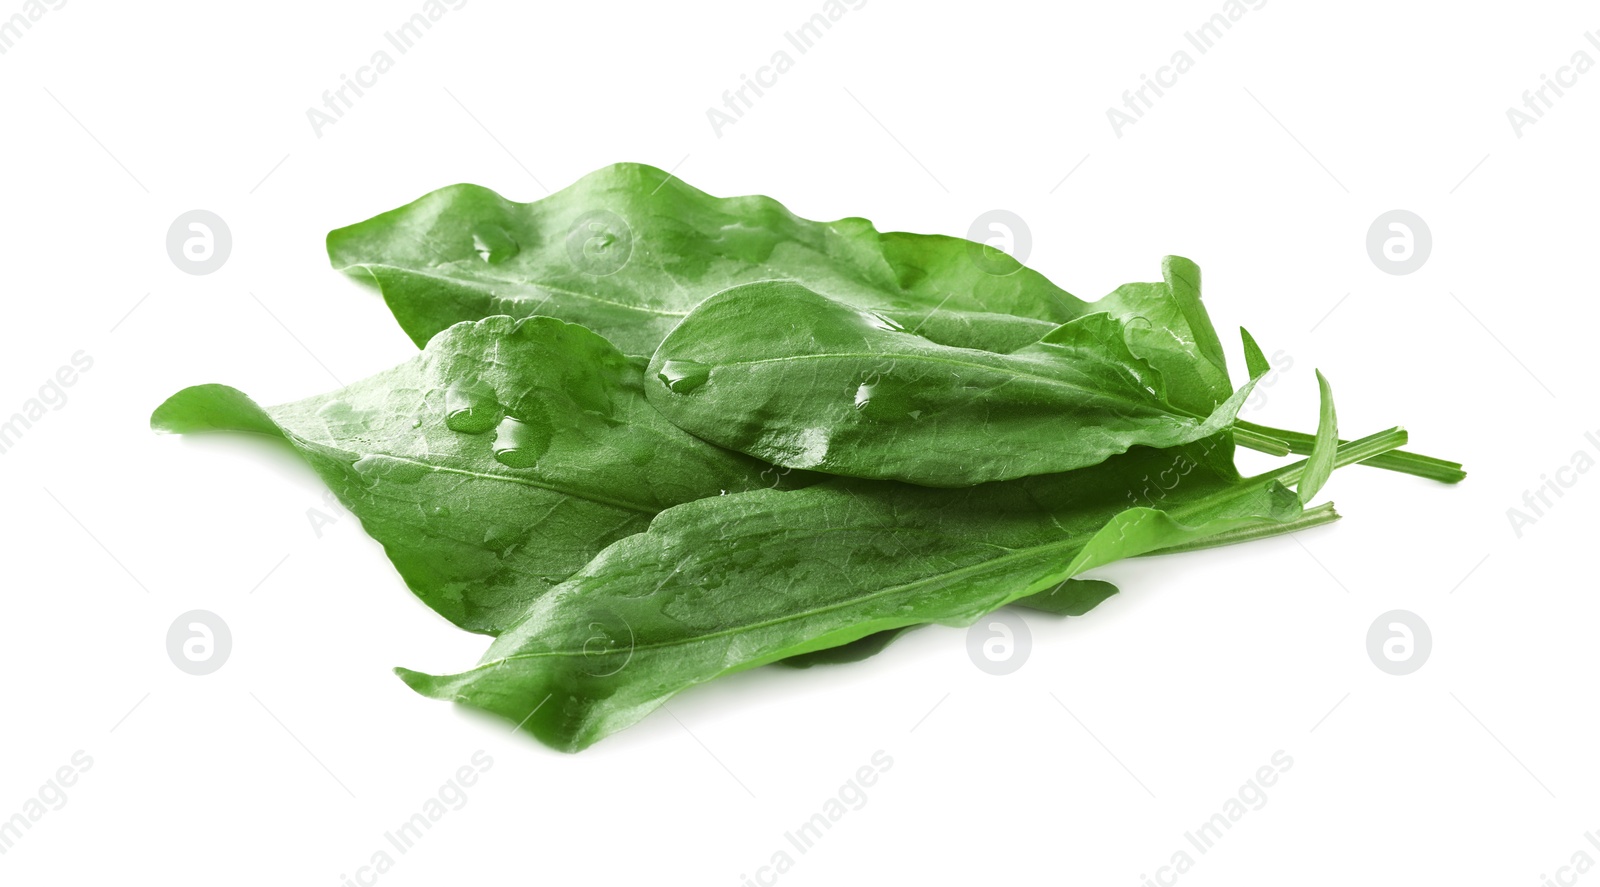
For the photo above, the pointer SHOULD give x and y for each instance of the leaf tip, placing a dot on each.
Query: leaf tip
(211, 408)
(1255, 360)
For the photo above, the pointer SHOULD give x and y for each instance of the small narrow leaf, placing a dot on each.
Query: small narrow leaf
(1320, 463)
(1254, 360)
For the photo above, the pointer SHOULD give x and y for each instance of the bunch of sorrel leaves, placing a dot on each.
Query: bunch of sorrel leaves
(654, 437)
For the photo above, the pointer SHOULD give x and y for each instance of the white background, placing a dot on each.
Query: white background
(1266, 163)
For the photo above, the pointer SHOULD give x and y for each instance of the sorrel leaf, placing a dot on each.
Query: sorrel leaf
(629, 249)
(1319, 465)
(1168, 327)
(526, 486)
(494, 464)
(791, 377)
(721, 585)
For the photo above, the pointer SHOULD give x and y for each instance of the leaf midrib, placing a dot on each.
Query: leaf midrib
(1161, 407)
(600, 500)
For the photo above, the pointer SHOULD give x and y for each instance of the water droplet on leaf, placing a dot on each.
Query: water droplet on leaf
(886, 399)
(343, 418)
(879, 322)
(493, 244)
(520, 444)
(683, 376)
(502, 539)
(470, 408)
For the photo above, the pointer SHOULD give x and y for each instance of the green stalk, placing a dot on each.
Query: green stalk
(1249, 434)
(1363, 450)
(1348, 453)
(1272, 446)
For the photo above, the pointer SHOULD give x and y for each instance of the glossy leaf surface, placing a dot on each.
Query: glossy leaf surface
(629, 250)
(726, 584)
(779, 372)
(1167, 326)
(492, 465)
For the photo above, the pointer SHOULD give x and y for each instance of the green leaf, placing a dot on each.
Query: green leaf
(526, 486)
(1182, 277)
(1254, 360)
(1168, 327)
(722, 585)
(628, 250)
(779, 372)
(494, 464)
(1320, 464)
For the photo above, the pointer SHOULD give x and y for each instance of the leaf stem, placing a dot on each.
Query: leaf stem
(1259, 442)
(1349, 452)
(1249, 434)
